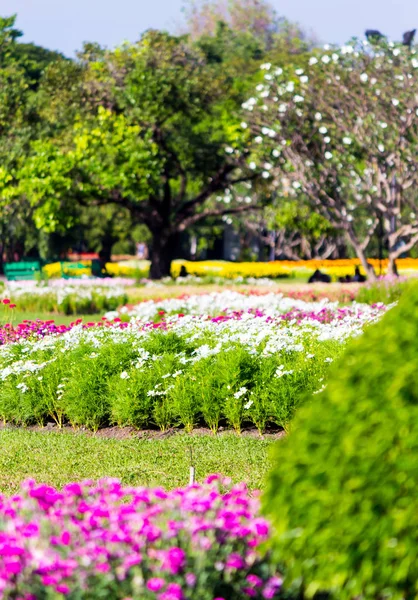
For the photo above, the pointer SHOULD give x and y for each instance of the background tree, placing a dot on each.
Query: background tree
(342, 131)
(152, 135)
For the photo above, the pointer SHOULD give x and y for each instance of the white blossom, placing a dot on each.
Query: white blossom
(347, 141)
(364, 77)
(328, 155)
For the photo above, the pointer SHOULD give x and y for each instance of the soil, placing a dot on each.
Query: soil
(123, 433)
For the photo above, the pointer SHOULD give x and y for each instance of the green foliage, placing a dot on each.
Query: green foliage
(160, 383)
(385, 291)
(342, 493)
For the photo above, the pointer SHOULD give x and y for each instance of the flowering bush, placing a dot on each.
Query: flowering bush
(106, 541)
(210, 359)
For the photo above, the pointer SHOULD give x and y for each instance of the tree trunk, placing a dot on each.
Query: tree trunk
(370, 274)
(162, 254)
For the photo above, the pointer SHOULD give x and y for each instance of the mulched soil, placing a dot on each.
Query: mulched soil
(123, 433)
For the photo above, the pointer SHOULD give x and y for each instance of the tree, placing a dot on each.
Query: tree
(342, 131)
(152, 135)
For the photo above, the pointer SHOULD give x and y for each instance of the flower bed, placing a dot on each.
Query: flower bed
(213, 359)
(106, 541)
(79, 296)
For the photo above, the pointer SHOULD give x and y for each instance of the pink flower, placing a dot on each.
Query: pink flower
(62, 589)
(155, 584)
(174, 560)
(235, 561)
(6, 301)
(173, 592)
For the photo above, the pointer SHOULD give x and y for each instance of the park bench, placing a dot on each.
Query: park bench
(23, 270)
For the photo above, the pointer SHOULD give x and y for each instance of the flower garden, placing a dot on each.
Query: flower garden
(223, 373)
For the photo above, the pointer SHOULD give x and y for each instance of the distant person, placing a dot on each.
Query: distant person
(319, 277)
(102, 264)
(141, 251)
(183, 271)
(358, 277)
(345, 279)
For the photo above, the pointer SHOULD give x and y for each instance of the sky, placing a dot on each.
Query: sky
(65, 24)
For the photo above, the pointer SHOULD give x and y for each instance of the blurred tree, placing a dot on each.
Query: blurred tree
(342, 132)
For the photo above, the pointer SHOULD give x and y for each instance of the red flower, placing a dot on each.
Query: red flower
(6, 301)
(12, 306)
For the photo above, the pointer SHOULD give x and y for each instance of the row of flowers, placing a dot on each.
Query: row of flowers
(104, 540)
(209, 359)
(247, 271)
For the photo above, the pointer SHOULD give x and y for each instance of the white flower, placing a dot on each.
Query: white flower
(290, 86)
(396, 52)
(268, 166)
(260, 87)
(265, 174)
(364, 77)
(298, 98)
(313, 60)
(268, 77)
(395, 101)
(383, 125)
(381, 147)
(329, 360)
(229, 150)
(414, 63)
(327, 139)
(347, 50)
(328, 155)
(335, 57)
(318, 116)
(278, 71)
(244, 125)
(258, 139)
(252, 165)
(248, 404)
(304, 79)
(322, 129)
(299, 71)
(276, 153)
(282, 108)
(124, 375)
(296, 185)
(347, 141)
(326, 59)
(265, 66)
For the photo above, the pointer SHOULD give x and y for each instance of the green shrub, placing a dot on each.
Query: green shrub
(343, 494)
(386, 291)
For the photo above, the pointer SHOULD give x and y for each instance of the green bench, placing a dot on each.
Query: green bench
(24, 270)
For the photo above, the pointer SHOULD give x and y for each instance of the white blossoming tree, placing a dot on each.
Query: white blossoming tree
(343, 131)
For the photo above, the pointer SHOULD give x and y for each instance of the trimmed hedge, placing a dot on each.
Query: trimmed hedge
(343, 495)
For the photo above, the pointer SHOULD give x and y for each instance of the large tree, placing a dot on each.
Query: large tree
(153, 134)
(342, 131)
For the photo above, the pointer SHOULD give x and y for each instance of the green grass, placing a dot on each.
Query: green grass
(19, 316)
(58, 458)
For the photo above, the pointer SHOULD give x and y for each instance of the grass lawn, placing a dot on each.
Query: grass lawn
(58, 458)
(19, 316)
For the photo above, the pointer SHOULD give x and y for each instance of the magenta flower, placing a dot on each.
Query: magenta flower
(155, 584)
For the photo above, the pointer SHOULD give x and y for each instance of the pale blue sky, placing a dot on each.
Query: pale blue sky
(65, 24)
